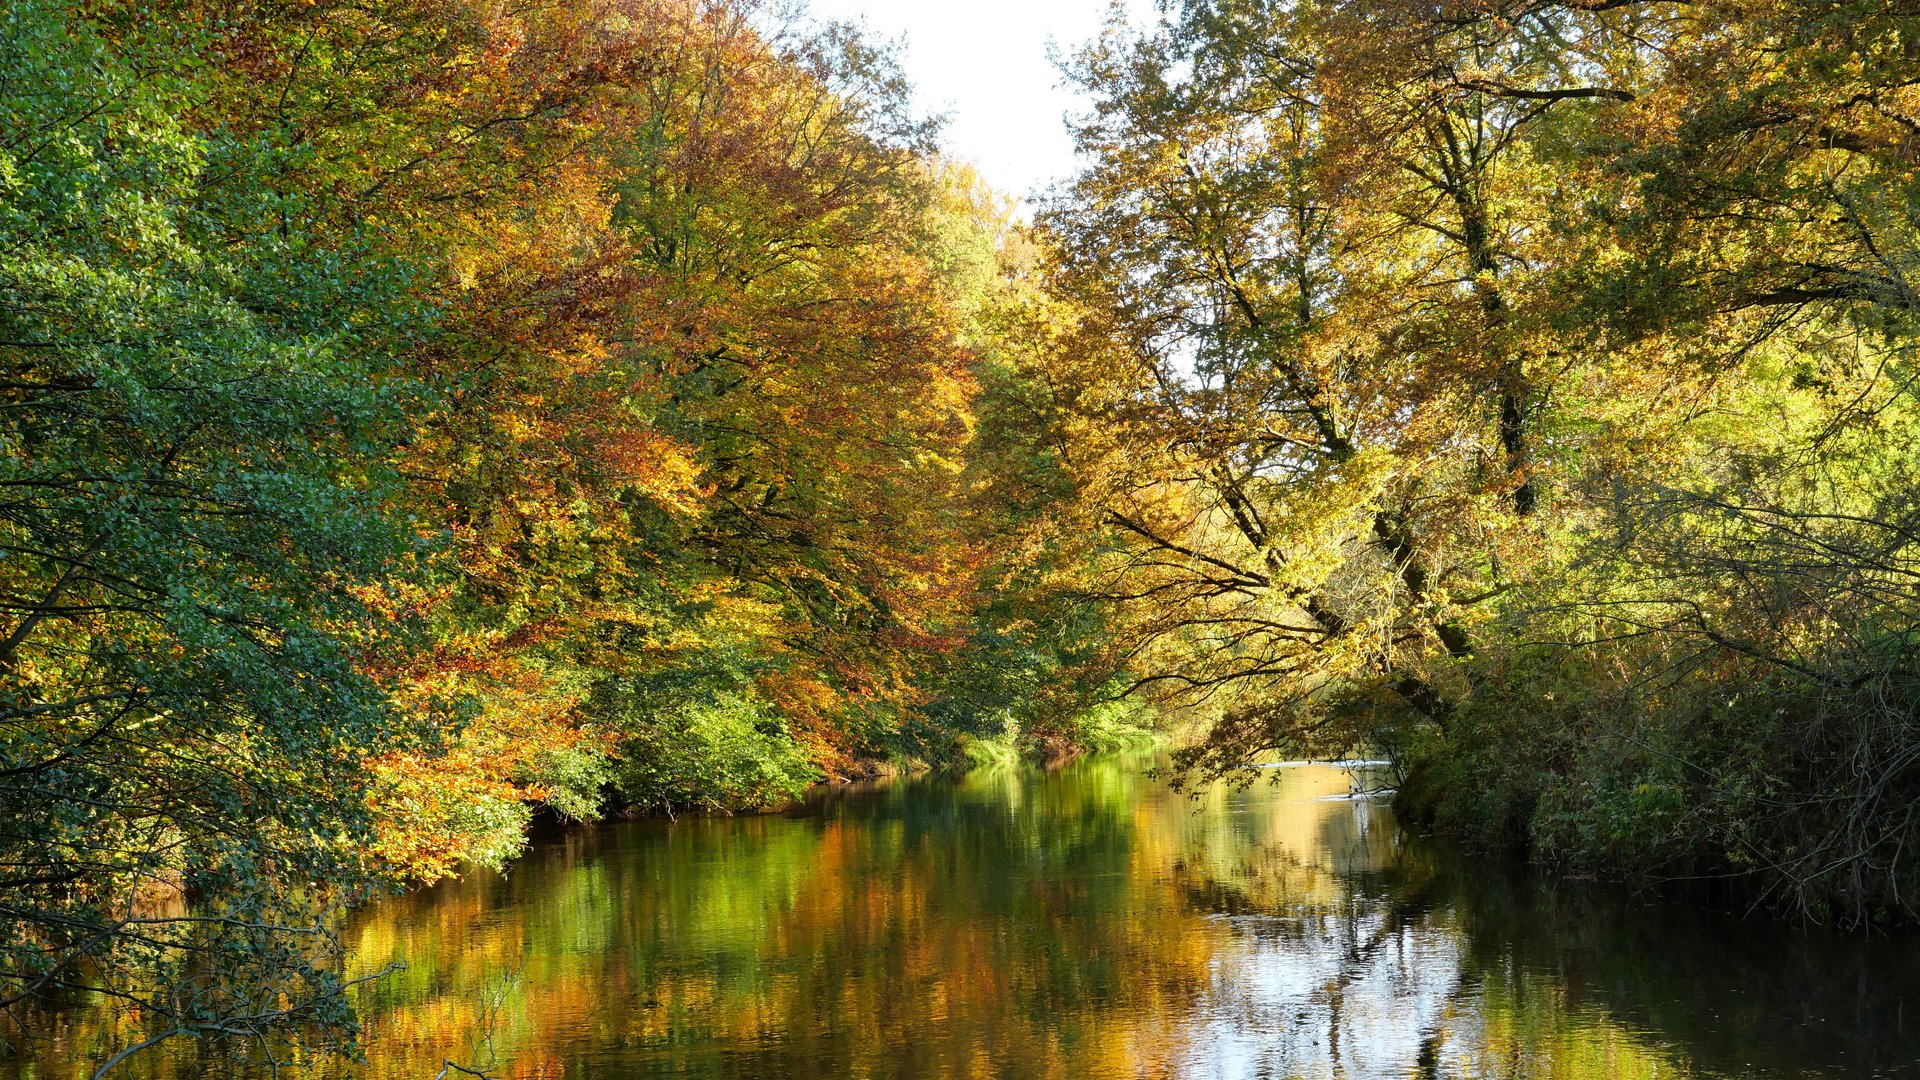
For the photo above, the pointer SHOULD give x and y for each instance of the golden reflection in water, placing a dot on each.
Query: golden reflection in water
(1084, 923)
(1048, 927)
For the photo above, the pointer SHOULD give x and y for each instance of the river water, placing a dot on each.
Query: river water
(1087, 923)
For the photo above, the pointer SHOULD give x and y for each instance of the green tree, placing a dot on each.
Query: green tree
(200, 412)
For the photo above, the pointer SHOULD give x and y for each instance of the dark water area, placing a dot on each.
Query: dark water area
(1081, 923)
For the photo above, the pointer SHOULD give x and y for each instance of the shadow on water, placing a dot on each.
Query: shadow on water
(1729, 996)
(1084, 922)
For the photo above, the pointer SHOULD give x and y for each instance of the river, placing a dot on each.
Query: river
(1084, 923)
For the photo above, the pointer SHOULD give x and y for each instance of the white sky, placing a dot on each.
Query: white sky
(983, 64)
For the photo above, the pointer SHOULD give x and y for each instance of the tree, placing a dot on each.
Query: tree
(200, 554)
(1473, 357)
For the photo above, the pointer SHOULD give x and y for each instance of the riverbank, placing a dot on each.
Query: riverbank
(1784, 793)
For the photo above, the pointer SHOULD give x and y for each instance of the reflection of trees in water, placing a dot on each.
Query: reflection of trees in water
(1082, 923)
(1729, 996)
(926, 929)
(1506, 975)
(1343, 959)
(1005, 922)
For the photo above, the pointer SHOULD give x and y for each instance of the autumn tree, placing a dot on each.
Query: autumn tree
(1466, 354)
(420, 413)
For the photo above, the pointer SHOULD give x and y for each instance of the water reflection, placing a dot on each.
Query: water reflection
(1083, 923)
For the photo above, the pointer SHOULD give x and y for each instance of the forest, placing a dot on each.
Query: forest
(423, 419)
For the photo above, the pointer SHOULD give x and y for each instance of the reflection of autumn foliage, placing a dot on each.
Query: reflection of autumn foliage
(1078, 924)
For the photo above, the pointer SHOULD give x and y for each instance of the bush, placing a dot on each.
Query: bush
(718, 751)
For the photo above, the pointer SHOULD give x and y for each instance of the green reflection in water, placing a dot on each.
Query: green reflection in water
(1082, 923)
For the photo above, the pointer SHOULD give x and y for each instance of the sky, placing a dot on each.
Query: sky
(984, 65)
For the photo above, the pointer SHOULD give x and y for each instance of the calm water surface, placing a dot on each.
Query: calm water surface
(1089, 923)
